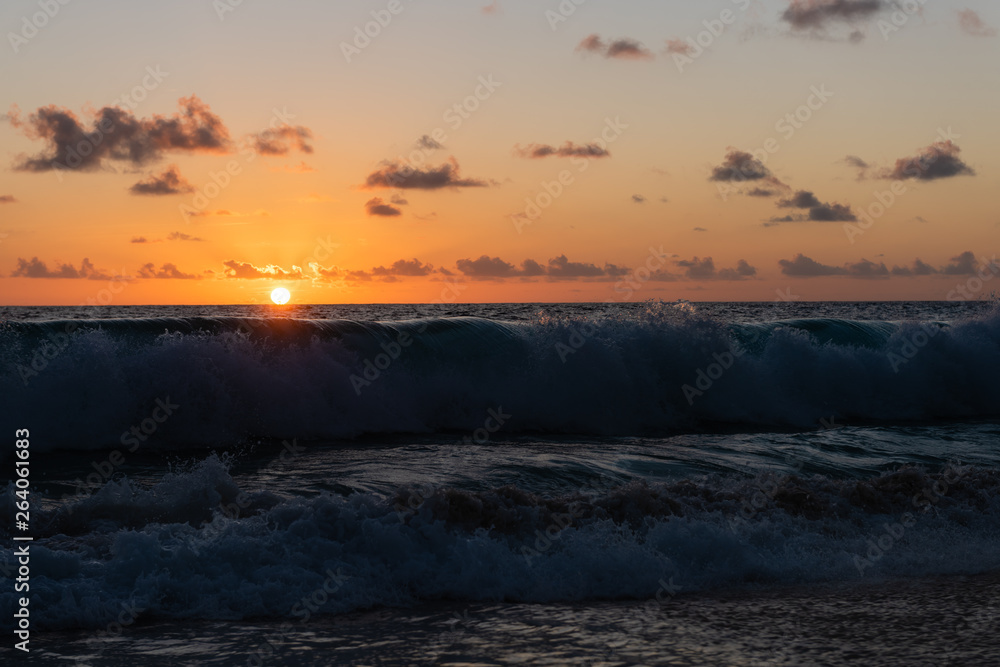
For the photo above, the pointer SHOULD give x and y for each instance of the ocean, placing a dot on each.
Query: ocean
(535, 484)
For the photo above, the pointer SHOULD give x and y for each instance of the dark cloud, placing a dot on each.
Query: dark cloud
(37, 269)
(704, 269)
(971, 24)
(807, 267)
(170, 182)
(139, 239)
(939, 160)
(919, 268)
(625, 48)
(561, 267)
(801, 199)
(638, 199)
(961, 265)
(282, 140)
(376, 206)
(740, 166)
(7, 199)
(568, 149)
(488, 267)
(165, 272)
(818, 211)
(404, 267)
(394, 175)
(247, 271)
(116, 135)
(428, 143)
(761, 192)
(818, 14)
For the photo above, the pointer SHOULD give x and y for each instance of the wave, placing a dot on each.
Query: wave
(196, 546)
(103, 383)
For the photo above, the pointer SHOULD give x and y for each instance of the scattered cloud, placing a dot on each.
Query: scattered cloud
(815, 18)
(404, 267)
(427, 142)
(115, 134)
(919, 268)
(377, 207)
(700, 229)
(680, 47)
(282, 140)
(568, 149)
(170, 182)
(761, 192)
(971, 24)
(165, 272)
(739, 166)
(139, 239)
(247, 271)
(226, 213)
(181, 236)
(36, 268)
(818, 211)
(704, 269)
(395, 175)
(624, 49)
(638, 199)
(7, 199)
(939, 160)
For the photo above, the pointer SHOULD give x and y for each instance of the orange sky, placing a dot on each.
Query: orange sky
(193, 155)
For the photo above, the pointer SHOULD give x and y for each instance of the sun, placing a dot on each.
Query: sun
(280, 296)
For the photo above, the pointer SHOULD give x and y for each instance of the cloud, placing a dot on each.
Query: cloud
(961, 265)
(558, 268)
(181, 236)
(806, 267)
(818, 211)
(404, 267)
(561, 267)
(971, 24)
(939, 160)
(139, 239)
(226, 213)
(165, 272)
(37, 269)
(680, 47)
(704, 269)
(740, 166)
(376, 206)
(170, 182)
(638, 199)
(247, 271)
(700, 229)
(859, 164)
(429, 143)
(282, 140)
(493, 267)
(568, 149)
(116, 135)
(761, 192)
(624, 49)
(819, 14)
(919, 268)
(394, 175)
(492, 8)
(7, 199)
(399, 200)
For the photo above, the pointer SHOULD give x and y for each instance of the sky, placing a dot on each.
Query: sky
(394, 151)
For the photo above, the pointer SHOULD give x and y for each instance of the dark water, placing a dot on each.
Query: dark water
(509, 484)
